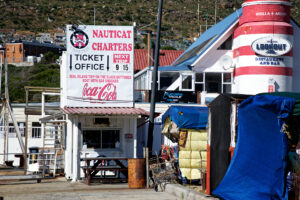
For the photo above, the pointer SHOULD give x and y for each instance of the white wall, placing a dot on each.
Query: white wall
(14, 147)
(13, 142)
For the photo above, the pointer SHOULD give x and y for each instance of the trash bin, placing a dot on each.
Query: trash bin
(33, 151)
(136, 173)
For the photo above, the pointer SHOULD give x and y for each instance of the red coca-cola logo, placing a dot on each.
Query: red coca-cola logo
(106, 93)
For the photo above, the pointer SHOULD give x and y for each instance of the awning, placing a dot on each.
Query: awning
(104, 111)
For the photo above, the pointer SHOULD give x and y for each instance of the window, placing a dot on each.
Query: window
(227, 45)
(213, 82)
(21, 125)
(199, 82)
(36, 130)
(11, 128)
(101, 139)
(227, 82)
(187, 82)
(166, 79)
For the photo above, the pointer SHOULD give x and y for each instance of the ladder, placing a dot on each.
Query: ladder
(51, 155)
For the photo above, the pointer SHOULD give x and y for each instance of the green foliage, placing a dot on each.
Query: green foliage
(168, 48)
(180, 17)
(45, 75)
(49, 57)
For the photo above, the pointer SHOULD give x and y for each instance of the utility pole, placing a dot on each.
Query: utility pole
(199, 17)
(149, 34)
(154, 78)
(215, 11)
(94, 16)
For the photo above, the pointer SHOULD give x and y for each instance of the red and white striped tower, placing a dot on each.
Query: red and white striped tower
(262, 48)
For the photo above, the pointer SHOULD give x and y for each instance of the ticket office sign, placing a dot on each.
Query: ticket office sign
(100, 66)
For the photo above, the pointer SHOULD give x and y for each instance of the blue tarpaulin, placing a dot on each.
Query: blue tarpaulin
(190, 117)
(257, 169)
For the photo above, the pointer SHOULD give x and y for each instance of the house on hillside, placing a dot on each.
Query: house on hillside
(26, 53)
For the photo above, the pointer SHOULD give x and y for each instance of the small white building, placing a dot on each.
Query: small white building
(97, 95)
(35, 137)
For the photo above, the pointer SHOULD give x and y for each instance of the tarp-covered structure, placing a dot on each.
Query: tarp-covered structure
(187, 126)
(257, 169)
(222, 111)
(191, 117)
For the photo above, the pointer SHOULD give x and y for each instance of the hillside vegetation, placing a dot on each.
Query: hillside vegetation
(180, 17)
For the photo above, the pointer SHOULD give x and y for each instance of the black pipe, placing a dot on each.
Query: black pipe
(154, 79)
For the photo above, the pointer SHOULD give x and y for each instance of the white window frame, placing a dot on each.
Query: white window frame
(36, 131)
(181, 80)
(202, 82)
(226, 83)
(103, 129)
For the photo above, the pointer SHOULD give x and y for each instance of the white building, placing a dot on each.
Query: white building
(208, 64)
(35, 138)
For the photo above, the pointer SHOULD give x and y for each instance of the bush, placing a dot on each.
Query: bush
(49, 58)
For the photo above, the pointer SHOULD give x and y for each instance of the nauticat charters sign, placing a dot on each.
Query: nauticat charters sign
(271, 46)
(100, 66)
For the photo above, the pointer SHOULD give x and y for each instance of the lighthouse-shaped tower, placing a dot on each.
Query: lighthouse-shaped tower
(262, 48)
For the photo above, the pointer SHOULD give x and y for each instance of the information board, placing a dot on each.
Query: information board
(100, 66)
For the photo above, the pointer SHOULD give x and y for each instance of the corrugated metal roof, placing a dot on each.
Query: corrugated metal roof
(104, 111)
(166, 58)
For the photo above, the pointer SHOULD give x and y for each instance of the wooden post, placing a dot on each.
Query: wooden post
(147, 166)
(5, 130)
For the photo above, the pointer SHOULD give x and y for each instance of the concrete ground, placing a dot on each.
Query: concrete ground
(60, 189)
(187, 192)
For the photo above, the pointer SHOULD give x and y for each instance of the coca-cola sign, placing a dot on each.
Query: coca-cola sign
(105, 93)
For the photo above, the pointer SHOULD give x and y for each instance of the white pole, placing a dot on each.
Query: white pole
(43, 115)
(76, 160)
(69, 147)
(134, 127)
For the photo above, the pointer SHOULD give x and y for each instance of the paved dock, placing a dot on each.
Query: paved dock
(62, 189)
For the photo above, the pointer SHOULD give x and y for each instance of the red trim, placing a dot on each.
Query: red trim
(208, 171)
(263, 70)
(247, 51)
(260, 28)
